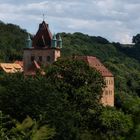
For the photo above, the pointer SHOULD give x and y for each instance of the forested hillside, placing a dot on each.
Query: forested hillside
(63, 107)
(122, 61)
(12, 41)
(122, 64)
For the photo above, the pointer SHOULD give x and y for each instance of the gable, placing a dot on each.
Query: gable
(43, 36)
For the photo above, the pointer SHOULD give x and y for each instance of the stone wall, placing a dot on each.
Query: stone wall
(43, 56)
(108, 92)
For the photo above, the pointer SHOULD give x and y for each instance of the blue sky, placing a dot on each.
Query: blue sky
(116, 20)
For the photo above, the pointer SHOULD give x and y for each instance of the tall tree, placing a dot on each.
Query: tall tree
(65, 95)
(136, 39)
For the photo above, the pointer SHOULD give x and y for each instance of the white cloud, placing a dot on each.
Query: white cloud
(117, 20)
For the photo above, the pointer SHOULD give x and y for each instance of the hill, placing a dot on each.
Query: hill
(12, 41)
(122, 64)
(122, 61)
(65, 108)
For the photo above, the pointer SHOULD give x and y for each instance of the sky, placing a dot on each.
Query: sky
(116, 20)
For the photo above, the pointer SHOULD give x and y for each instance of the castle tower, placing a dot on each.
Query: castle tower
(43, 49)
(108, 92)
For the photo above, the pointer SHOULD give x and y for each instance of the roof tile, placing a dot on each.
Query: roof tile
(95, 63)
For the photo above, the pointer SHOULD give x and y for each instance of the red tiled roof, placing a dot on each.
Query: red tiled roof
(19, 62)
(32, 70)
(95, 63)
(37, 66)
(43, 36)
(11, 67)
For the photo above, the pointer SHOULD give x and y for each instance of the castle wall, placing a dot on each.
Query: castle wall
(43, 56)
(108, 92)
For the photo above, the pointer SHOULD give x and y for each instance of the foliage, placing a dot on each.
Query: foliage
(114, 124)
(80, 89)
(12, 42)
(31, 130)
(125, 67)
(65, 95)
(136, 39)
(68, 95)
(136, 134)
(130, 105)
(5, 125)
(27, 130)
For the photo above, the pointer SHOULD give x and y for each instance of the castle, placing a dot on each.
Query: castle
(44, 49)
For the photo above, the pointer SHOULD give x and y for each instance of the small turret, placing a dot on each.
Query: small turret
(54, 42)
(59, 41)
(29, 42)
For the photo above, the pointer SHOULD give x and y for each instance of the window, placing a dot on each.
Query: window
(32, 58)
(40, 58)
(110, 92)
(106, 82)
(106, 92)
(48, 58)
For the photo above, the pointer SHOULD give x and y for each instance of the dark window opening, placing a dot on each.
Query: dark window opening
(106, 92)
(40, 58)
(48, 58)
(32, 58)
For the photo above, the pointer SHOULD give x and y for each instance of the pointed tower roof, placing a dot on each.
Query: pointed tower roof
(59, 37)
(43, 36)
(54, 37)
(28, 42)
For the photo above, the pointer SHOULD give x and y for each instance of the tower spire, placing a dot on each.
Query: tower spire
(43, 17)
(28, 42)
(54, 41)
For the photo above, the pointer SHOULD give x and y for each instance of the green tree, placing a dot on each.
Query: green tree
(6, 123)
(136, 39)
(114, 125)
(80, 89)
(31, 130)
(64, 95)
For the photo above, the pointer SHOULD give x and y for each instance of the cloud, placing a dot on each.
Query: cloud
(117, 20)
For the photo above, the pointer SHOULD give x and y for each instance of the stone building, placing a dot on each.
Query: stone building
(45, 48)
(108, 91)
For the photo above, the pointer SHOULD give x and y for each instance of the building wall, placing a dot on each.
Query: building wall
(108, 92)
(47, 56)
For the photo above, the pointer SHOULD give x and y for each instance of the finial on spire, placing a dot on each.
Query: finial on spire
(43, 17)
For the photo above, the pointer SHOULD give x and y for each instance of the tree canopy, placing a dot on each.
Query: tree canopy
(136, 39)
(64, 104)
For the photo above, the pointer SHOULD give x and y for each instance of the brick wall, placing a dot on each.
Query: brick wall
(44, 56)
(108, 92)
